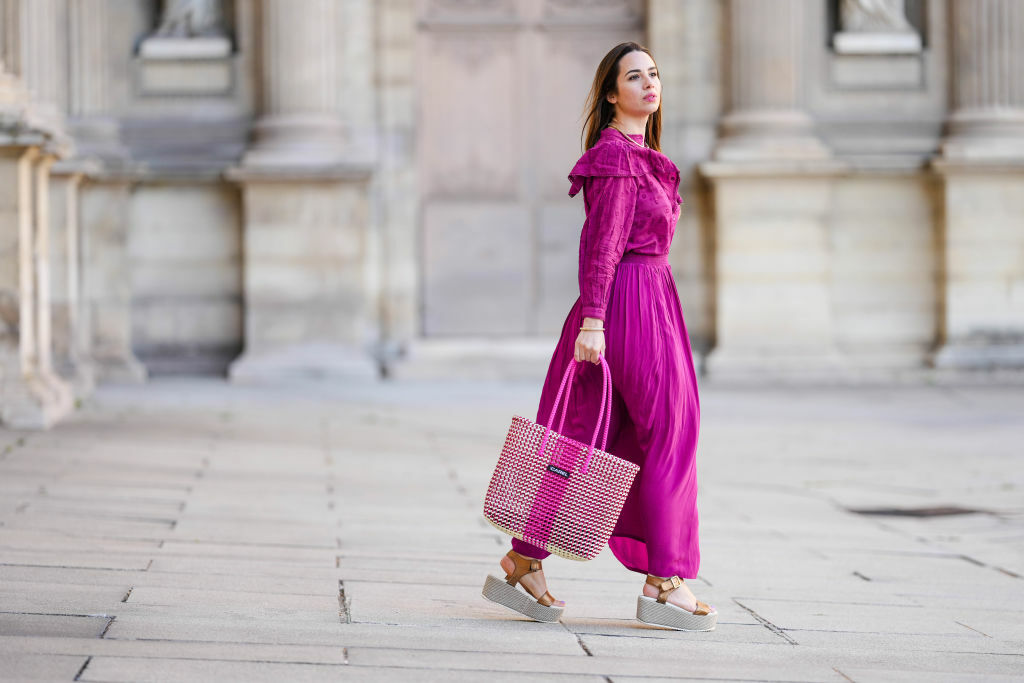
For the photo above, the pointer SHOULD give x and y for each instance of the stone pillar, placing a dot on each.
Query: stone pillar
(72, 360)
(44, 59)
(982, 165)
(397, 198)
(309, 307)
(102, 204)
(772, 181)
(766, 120)
(31, 396)
(685, 39)
(301, 125)
(31, 133)
(106, 281)
(92, 121)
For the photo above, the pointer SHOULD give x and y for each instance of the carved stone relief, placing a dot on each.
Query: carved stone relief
(873, 15)
(875, 27)
(190, 18)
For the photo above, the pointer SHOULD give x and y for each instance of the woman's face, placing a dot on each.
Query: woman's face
(638, 88)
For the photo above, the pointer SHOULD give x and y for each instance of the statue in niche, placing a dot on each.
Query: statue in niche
(189, 30)
(874, 16)
(191, 18)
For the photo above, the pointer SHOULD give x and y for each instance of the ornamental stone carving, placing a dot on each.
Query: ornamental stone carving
(875, 27)
(874, 16)
(189, 18)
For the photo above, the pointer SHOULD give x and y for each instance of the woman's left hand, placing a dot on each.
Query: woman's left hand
(590, 344)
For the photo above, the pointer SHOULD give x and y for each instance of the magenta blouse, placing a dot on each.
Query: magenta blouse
(632, 203)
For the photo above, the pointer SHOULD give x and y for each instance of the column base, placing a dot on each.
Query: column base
(996, 356)
(304, 361)
(473, 359)
(80, 375)
(37, 401)
(121, 369)
(763, 365)
(769, 135)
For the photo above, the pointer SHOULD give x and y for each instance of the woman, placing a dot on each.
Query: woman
(629, 305)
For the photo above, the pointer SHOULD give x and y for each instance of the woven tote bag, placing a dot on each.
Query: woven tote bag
(555, 492)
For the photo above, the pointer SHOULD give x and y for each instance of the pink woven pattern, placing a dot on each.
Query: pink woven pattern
(555, 492)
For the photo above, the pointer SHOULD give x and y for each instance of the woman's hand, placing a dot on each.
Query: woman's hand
(590, 345)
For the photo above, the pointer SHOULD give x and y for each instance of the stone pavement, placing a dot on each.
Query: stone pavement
(190, 530)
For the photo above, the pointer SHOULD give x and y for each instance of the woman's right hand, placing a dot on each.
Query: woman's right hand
(590, 344)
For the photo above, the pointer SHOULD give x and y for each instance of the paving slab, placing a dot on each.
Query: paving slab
(41, 667)
(174, 670)
(52, 625)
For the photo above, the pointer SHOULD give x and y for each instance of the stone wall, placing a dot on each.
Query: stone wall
(362, 188)
(185, 258)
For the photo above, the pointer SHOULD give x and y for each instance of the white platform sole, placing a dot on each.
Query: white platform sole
(650, 611)
(505, 595)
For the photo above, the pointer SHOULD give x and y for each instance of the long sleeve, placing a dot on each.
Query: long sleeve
(610, 203)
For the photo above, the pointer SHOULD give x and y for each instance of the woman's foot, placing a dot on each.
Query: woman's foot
(533, 599)
(669, 603)
(533, 582)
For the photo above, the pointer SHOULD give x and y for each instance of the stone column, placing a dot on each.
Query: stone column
(772, 182)
(106, 280)
(685, 38)
(309, 308)
(397, 199)
(44, 59)
(982, 165)
(301, 123)
(93, 123)
(104, 314)
(31, 132)
(31, 396)
(767, 120)
(59, 389)
(72, 360)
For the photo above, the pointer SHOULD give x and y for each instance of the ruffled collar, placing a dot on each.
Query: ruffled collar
(614, 155)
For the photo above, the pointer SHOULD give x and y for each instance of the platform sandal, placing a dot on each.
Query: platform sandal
(537, 607)
(659, 612)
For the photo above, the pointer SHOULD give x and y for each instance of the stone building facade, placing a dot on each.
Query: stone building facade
(359, 188)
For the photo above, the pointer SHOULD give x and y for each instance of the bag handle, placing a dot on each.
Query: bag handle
(604, 413)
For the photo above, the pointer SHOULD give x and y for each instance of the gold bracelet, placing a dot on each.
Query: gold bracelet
(592, 329)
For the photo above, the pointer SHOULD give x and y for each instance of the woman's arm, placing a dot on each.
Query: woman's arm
(611, 201)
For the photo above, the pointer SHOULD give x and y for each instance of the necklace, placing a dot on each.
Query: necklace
(626, 135)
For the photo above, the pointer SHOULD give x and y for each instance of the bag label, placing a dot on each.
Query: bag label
(559, 471)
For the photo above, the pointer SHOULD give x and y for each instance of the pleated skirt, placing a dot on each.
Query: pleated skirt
(655, 413)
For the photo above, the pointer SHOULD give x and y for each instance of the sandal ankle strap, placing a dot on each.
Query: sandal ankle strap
(665, 586)
(523, 565)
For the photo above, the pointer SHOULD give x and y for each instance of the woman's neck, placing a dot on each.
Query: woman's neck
(632, 125)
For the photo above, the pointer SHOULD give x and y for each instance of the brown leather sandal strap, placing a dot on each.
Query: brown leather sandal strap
(524, 565)
(702, 608)
(547, 599)
(665, 586)
(527, 565)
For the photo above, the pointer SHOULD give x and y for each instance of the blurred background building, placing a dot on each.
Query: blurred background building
(354, 188)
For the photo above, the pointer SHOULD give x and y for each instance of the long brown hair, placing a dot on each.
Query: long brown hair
(599, 111)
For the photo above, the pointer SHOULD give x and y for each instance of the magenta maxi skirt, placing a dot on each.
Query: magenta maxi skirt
(655, 415)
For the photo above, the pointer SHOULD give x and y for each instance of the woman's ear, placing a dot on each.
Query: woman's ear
(611, 97)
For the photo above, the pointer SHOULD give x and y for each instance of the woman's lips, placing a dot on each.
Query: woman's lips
(650, 98)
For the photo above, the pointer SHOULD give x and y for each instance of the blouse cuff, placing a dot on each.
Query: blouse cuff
(593, 312)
